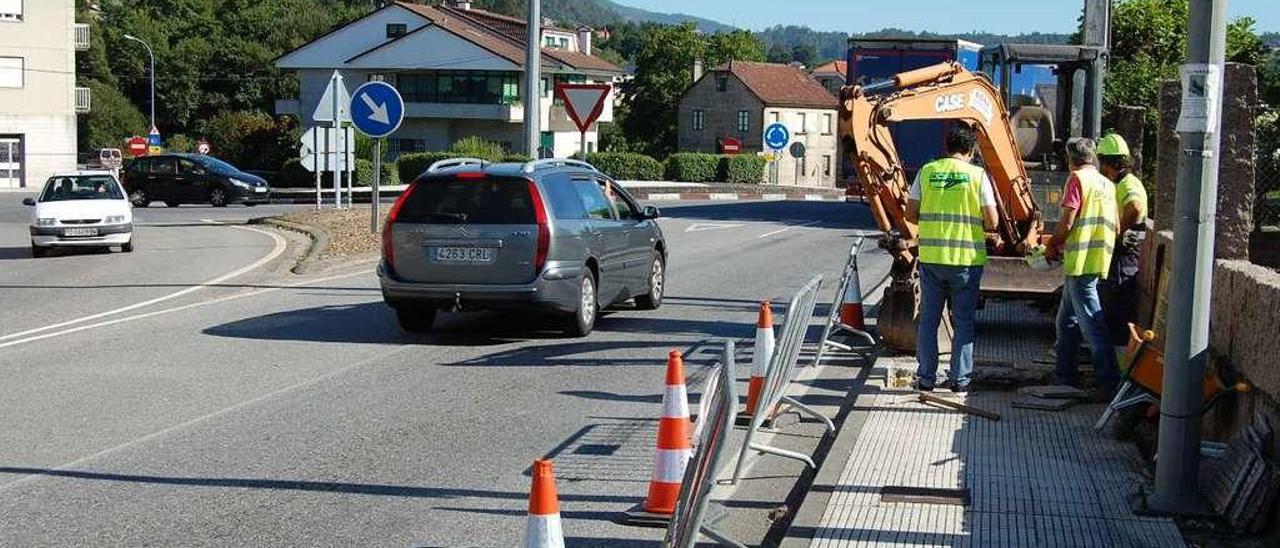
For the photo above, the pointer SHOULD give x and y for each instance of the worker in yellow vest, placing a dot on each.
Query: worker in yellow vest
(954, 203)
(1120, 292)
(1085, 240)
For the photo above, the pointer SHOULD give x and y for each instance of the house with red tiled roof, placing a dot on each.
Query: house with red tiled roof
(831, 75)
(460, 70)
(736, 101)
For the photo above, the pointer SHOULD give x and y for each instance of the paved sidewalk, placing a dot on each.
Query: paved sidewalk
(1034, 478)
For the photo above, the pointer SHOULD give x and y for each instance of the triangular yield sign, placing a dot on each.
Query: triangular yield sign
(584, 102)
(324, 110)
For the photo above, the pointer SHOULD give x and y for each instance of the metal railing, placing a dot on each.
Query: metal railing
(833, 319)
(82, 37)
(456, 162)
(84, 100)
(556, 162)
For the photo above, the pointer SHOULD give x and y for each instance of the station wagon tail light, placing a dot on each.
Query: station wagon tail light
(472, 175)
(544, 230)
(388, 248)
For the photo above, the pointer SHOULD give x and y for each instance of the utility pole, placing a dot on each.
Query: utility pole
(533, 79)
(1186, 348)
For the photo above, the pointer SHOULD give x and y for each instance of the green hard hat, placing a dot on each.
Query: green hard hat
(1113, 145)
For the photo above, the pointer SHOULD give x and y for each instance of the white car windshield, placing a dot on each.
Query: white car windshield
(81, 187)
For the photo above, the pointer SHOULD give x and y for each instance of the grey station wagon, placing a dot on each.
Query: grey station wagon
(550, 235)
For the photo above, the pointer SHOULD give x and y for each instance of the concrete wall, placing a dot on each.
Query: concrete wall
(42, 111)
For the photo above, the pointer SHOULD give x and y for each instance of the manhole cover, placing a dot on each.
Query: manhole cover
(924, 495)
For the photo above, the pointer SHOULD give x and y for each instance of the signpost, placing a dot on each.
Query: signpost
(138, 146)
(333, 109)
(797, 151)
(584, 103)
(318, 139)
(377, 111)
(776, 137)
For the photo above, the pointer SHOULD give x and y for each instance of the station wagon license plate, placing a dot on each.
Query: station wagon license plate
(79, 232)
(464, 255)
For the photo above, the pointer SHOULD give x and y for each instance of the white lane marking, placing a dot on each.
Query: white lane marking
(702, 227)
(777, 232)
(189, 306)
(280, 246)
(161, 433)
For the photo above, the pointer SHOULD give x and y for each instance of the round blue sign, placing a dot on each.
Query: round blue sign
(377, 109)
(776, 136)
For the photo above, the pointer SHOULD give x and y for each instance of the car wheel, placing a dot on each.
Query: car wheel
(171, 203)
(218, 197)
(584, 318)
(416, 320)
(657, 285)
(37, 251)
(128, 246)
(139, 198)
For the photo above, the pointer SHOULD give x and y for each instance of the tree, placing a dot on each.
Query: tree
(805, 54)
(779, 53)
(664, 64)
(739, 45)
(112, 119)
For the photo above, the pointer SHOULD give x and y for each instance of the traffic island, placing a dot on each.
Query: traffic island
(338, 236)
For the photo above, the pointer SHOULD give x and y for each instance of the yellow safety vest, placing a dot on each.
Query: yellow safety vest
(1093, 237)
(951, 230)
(1130, 190)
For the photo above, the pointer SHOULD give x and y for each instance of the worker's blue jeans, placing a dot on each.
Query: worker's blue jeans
(1080, 312)
(939, 285)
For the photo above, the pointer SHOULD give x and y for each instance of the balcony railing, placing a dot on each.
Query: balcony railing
(84, 100)
(82, 37)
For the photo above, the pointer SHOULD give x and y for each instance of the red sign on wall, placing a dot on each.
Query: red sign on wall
(730, 145)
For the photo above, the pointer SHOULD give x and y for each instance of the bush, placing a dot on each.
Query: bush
(293, 175)
(475, 147)
(517, 159)
(692, 167)
(364, 174)
(251, 140)
(626, 166)
(742, 169)
(411, 165)
(112, 120)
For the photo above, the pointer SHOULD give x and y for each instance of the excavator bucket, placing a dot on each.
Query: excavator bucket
(898, 319)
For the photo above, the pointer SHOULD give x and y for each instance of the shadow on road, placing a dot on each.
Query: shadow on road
(10, 253)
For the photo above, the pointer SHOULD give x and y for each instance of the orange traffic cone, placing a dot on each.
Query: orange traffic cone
(851, 302)
(760, 360)
(674, 444)
(543, 529)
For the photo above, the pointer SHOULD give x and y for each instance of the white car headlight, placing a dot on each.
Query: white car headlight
(241, 184)
(46, 221)
(114, 219)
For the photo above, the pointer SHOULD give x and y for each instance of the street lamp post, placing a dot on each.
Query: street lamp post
(152, 57)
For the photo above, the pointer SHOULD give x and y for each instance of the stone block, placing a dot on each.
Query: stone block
(1161, 193)
(1254, 346)
(1236, 148)
(1222, 308)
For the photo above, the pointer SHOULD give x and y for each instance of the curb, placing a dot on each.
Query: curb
(645, 193)
(319, 241)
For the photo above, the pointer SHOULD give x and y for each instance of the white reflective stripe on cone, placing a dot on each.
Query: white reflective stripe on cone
(544, 532)
(675, 404)
(669, 464)
(763, 352)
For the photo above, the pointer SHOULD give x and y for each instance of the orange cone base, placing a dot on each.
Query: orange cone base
(851, 315)
(753, 396)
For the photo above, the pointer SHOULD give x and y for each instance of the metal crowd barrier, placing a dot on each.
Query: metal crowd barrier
(833, 319)
(779, 375)
(719, 411)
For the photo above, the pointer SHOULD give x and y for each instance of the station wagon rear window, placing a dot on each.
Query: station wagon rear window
(493, 201)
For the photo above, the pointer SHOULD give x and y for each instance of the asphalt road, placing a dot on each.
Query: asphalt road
(274, 410)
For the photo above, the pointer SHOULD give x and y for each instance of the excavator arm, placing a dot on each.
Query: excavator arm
(941, 92)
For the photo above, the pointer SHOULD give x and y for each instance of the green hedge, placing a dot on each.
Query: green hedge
(692, 167)
(293, 175)
(742, 169)
(626, 166)
(414, 164)
(364, 173)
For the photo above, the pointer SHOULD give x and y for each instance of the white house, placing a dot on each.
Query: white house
(460, 71)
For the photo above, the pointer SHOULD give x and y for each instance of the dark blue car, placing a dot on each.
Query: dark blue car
(177, 179)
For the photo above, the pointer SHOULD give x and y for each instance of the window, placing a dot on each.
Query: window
(826, 166)
(744, 121)
(491, 201)
(476, 87)
(546, 88)
(396, 30)
(92, 187)
(826, 124)
(10, 72)
(776, 116)
(187, 167)
(163, 166)
(564, 43)
(699, 119)
(722, 83)
(550, 41)
(376, 77)
(624, 208)
(804, 122)
(10, 10)
(593, 200)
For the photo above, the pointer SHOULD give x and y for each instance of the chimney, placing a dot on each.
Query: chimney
(697, 69)
(584, 39)
(462, 4)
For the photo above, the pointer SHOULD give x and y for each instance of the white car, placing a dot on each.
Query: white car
(81, 209)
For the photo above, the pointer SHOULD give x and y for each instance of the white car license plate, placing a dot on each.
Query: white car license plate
(466, 255)
(79, 232)
(260, 189)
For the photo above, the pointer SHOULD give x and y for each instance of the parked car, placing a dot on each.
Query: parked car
(551, 235)
(80, 209)
(177, 179)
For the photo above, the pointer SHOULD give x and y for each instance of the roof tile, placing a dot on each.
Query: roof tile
(781, 85)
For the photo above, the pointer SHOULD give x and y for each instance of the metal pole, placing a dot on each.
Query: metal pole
(377, 180)
(152, 57)
(338, 161)
(584, 145)
(315, 159)
(1187, 332)
(533, 79)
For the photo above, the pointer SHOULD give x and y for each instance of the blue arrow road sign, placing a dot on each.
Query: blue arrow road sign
(377, 109)
(776, 136)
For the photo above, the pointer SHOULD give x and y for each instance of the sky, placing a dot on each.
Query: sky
(947, 16)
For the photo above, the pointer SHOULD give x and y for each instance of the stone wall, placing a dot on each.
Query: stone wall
(1130, 123)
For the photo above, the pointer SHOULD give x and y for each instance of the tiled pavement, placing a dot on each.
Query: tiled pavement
(1033, 479)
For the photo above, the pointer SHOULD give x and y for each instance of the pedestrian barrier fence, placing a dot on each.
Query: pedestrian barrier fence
(716, 418)
(781, 371)
(850, 289)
